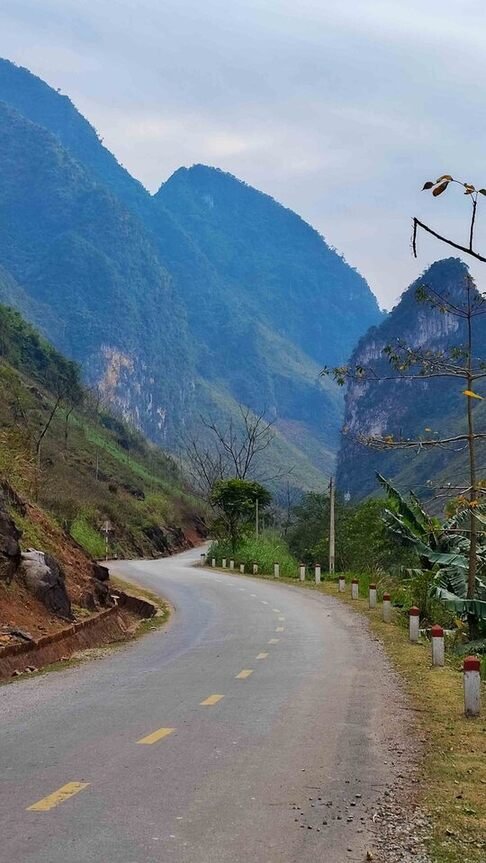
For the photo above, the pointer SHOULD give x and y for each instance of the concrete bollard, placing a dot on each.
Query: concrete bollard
(387, 610)
(213, 562)
(242, 567)
(255, 568)
(302, 571)
(438, 650)
(372, 596)
(223, 563)
(203, 559)
(232, 563)
(413, 623)
(472, 686)
(276, 570)
(354, 588)
(342, 584)
(317, 572)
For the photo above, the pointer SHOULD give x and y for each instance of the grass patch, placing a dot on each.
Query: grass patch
(88, 537)
(265, 550)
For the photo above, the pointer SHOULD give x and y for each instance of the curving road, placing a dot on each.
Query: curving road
(255, 727)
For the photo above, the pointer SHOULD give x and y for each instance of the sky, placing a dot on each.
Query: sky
(339, 110)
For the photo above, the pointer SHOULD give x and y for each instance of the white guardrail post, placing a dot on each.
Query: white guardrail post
(302, 571)
(372, 596)
(342, 584)
(213, 562)
(276, 570)
(413, 624)
(255, 568)
(387, 609)
(354, 588)
(317, 572)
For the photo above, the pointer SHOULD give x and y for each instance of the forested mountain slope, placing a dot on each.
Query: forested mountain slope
(68, 468)
(184, 303)
(411, 408)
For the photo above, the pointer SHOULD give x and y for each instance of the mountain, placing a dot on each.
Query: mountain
(188, 302)
(410, 408)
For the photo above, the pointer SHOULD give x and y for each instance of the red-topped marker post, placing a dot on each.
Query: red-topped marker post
(317, 572)
(438, 649)
(472, 686)
(302, 571)
(342, 584)
(276, 570)
(354, 588)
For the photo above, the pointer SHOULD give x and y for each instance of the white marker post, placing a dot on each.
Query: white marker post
(413, 623)
(232, 563)
(213, 562)
(317, 572)
(387, 610)
(203, 559)
(276, 570)
(223, 563)
(438, 651)
(302, 571)
(372, 596)
(242, 567)
(354, 588)
(472, 686)
(255, 568)
(342, 584)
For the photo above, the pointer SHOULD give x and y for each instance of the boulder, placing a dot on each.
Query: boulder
(44, 578)
(9, 545)
(101, 573)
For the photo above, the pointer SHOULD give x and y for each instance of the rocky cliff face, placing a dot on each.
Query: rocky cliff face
(405, 408)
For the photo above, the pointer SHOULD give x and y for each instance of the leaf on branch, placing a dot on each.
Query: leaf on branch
(444, 177)
(470, 394)
(482, 191)
(427, 185)
(439, 189)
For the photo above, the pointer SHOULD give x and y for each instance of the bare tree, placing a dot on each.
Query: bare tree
(230, 450)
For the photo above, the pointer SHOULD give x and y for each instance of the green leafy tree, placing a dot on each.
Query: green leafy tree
(235, 500)
(363, 543)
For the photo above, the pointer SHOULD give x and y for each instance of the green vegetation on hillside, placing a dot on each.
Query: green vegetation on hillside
(84, 466)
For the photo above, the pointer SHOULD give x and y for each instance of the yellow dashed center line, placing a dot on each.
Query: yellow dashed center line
(212, 699)
(244, 674)
(57, 797)
(274, 641)
(156, 735)
(262, 655)
(279, 629)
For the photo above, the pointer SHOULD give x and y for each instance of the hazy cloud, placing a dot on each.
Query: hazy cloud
(338, 110)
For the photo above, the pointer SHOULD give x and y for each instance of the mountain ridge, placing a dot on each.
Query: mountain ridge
(226, 301)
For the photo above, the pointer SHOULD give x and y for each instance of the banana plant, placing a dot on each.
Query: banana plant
(442, 549)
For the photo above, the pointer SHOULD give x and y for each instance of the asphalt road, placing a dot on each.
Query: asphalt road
(266, 724)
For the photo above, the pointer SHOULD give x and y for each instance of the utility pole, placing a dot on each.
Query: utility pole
(331, 525)
(257, 526)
